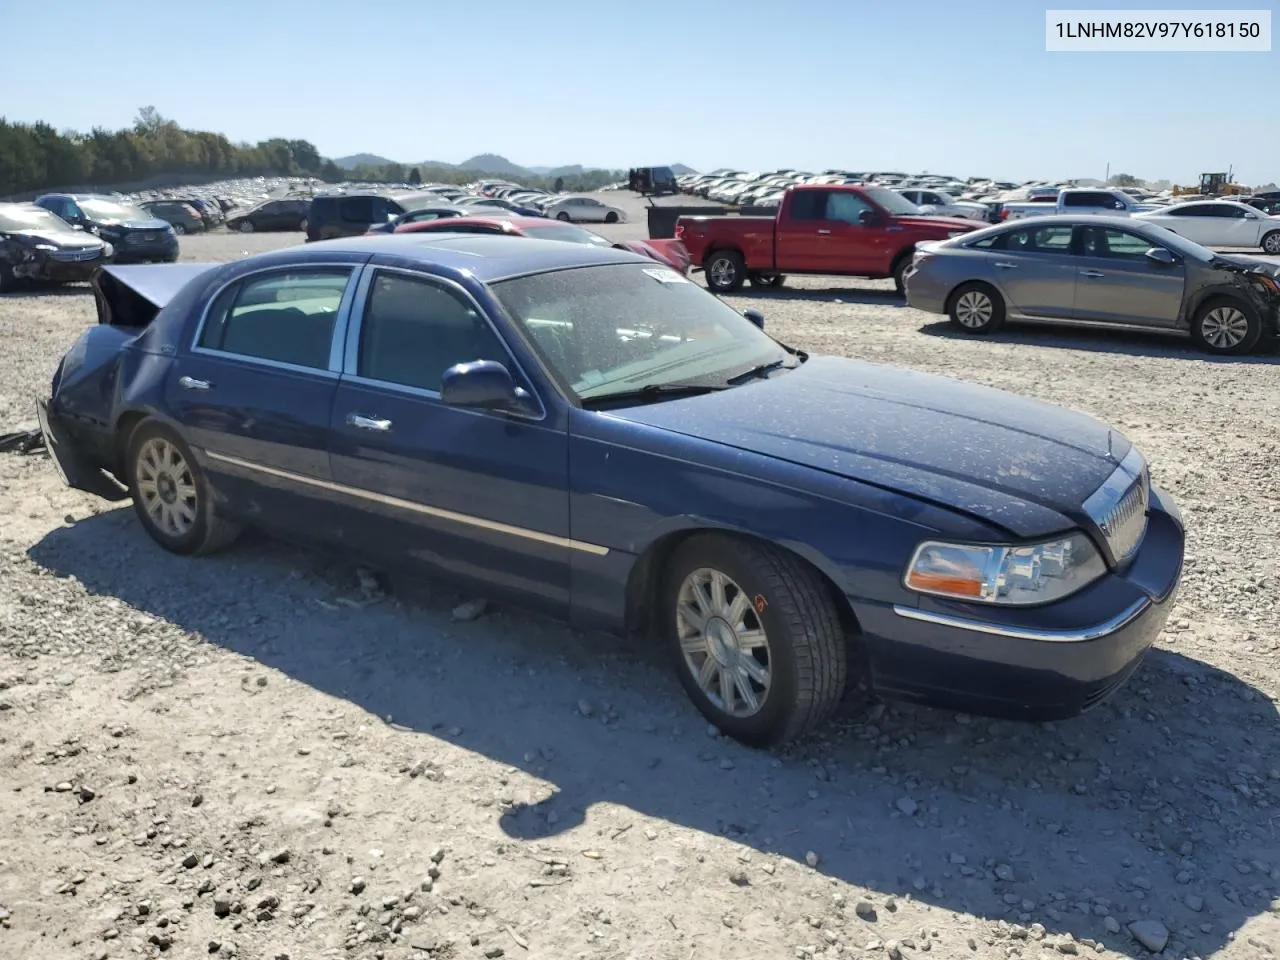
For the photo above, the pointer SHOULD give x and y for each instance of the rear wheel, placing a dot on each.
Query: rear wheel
(1271, 242)
(179, 228)
(899, 271)
(976, 308)
(726, 271)
(756, 637)
(303, 226)
(767, 281)
(610, 217)
(246, 226)
(1227, 327)
(562, 216)
(170, 493)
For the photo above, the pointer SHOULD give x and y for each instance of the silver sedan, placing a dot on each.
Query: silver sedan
(1098, 271)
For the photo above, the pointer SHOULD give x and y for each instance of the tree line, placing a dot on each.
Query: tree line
(35, 156)
(400, 173)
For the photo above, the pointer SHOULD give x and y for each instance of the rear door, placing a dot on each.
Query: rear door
(1035, 270)
(254, 391)
(475, 494)
(801, 232)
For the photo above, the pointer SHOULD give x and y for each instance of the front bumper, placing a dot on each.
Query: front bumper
(163, 252)
(1043, 663)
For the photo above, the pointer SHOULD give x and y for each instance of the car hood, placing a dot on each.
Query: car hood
(59, 238)
(148, 223)
(1246, 262)
(953, 223)
(1021, 464)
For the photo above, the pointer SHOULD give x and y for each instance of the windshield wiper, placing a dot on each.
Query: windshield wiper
(760, 371)
(654, 391)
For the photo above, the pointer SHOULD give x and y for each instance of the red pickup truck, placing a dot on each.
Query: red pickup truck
(826, 229)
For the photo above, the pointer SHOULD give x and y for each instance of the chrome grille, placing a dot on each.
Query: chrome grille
(142, 237)
(77, 254)
(1119, 507)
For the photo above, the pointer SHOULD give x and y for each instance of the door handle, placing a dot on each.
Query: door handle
(368, 423)
(1092, 273)
(823, 233)
(1005, 265)
(191, 383)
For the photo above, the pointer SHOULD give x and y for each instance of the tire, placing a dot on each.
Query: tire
(245, 226)
(563, 216)
(801, 651)
(158, 461)
(767, 281)
(899, 268)
(179, 229)
(725, 271)
(976, 308)
(610, 217)
(1271, 242)
(1226, 326)
(303, 226)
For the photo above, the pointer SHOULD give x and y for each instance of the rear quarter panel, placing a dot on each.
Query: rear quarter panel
(753, 237)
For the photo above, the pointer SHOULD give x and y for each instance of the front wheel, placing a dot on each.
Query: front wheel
(303, 226)
(1271, 242)
(562, 216)
(976, 308)
(1226, 327)
(900, 267)
(610, 217)
(756, 638)
(246, 226)
(171, 495)
(179, 229)
(726, 271)
(8, 279)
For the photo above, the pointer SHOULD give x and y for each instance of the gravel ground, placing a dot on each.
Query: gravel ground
(267, 754)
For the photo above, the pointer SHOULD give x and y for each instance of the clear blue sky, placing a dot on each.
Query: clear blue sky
(963, 88)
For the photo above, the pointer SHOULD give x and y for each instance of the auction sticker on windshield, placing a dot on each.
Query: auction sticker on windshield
(666, 276)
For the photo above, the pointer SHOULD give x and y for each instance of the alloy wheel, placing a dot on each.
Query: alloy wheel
(974, 309)
(1224, 327)
(167, 487)
(723, 642)
(722, 272)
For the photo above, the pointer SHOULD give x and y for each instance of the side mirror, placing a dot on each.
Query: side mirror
(77, 226)
(755, 316)
(484, 385)
(1161, 257)
(867, 218)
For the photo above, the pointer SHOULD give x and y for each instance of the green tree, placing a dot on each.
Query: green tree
(415, 175)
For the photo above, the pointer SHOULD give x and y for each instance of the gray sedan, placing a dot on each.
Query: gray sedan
(1092, 271)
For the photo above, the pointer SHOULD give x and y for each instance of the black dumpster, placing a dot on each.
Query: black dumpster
(662, 220)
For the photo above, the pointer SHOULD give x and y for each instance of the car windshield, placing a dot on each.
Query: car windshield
(110, 210)
(621, 327)
(895, 203)
(566, 233)
(30, 218)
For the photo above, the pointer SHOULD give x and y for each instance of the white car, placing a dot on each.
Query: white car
(939, 204)
(1219, 223)
(585, 210)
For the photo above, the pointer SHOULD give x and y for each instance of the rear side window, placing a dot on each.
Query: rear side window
(809, 205)
(286, 317)
(414, 330)
(1091, 198)
(356, 210)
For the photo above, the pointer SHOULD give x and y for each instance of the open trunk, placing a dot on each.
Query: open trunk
(132, 295)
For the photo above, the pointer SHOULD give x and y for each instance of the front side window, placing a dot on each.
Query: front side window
(616, 328)
(1114, 244)
(286, 317)
(414, 330)
(846, 207)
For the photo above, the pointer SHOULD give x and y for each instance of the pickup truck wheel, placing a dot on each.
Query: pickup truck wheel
(976, 308)
(899, 270)
(1226, 327)
(726, 271)
(1271, 242)
(171, 495)
(756, 638)
(767, 281)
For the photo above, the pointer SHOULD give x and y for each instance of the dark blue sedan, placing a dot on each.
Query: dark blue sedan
(583, 431)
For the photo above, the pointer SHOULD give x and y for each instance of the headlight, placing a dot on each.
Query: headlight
(46, 247)
(952, 234)
(1002, 574)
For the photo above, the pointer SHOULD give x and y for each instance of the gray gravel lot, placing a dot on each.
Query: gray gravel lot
(262, 754)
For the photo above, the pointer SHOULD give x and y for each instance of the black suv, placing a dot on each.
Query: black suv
(349, 215)
(138, 236)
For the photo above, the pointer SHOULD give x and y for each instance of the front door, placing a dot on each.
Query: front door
(470, 493)
(254, 393)
(1117, 282)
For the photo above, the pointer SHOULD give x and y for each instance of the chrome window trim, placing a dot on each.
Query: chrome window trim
(1078, 635)
(339, 321)
(351, 350)
(268, 364)
(463, 518)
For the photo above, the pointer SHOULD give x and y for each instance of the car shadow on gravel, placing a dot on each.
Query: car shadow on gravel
(1096, 340)
(1160, 805)
(845, 295)
(40, 292)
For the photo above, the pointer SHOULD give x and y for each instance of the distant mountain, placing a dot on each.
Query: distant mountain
(361, 160)
(679, 169)
(492, 163)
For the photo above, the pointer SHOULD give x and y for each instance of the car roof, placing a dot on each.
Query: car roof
(517, 222)
(488, 258)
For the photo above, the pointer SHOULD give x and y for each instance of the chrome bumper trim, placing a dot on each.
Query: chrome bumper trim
(1081, 635)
